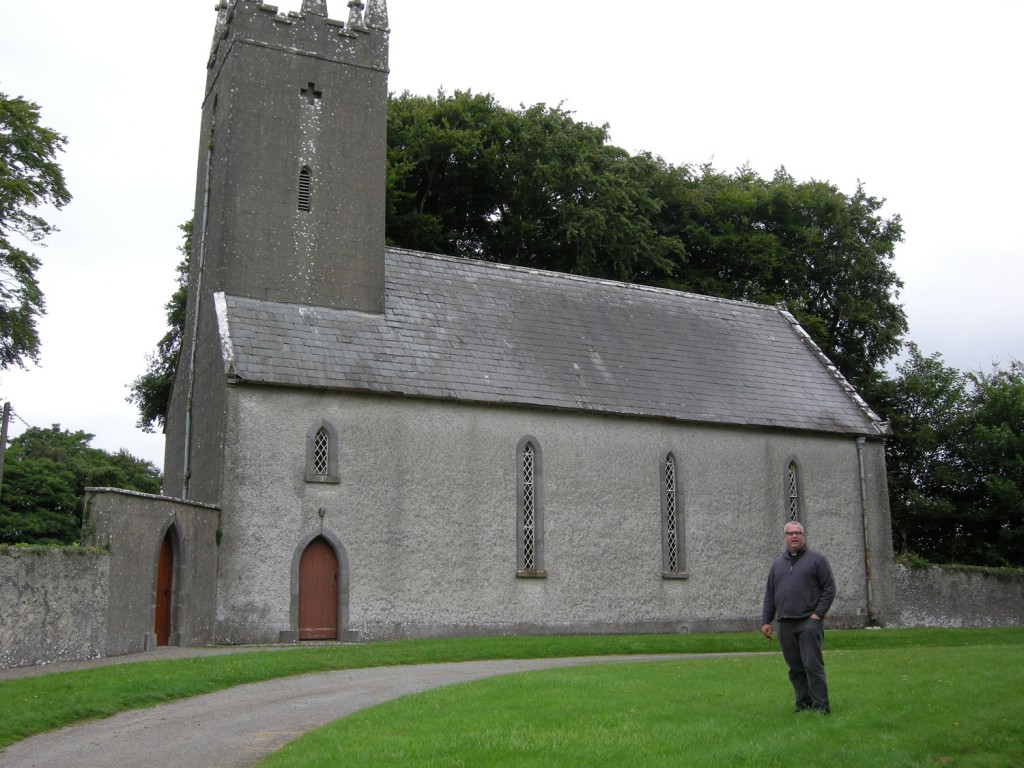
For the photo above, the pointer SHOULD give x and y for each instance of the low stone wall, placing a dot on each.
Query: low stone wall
(132, 526)
(53, 605)
(75, 603)
(938, 597)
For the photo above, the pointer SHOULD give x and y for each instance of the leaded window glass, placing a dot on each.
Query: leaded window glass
(673, 530)
(321, 452)
(529, 510)
(792, 493)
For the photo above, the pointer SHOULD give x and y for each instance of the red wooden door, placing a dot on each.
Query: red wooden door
(164, 591)
(318, 592)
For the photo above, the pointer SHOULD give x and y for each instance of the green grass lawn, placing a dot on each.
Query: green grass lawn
(905, 697)
(918, 706)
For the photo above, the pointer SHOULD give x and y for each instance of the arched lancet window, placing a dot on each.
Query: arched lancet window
(530, 509)
(305, 189)
(673, 530)
(793, 500)
(322, 453)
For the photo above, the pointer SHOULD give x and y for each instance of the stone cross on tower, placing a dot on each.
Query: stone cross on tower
(312, 93)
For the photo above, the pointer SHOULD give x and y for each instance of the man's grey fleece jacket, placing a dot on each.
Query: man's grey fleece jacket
(798, 585)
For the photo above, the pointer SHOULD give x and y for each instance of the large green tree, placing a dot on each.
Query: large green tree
(956, 461)
(46, 472)
(529, 186)
(927, 404)
(994, 461)
(29, 178)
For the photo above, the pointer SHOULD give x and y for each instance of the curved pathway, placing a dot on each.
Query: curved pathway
(239, 726)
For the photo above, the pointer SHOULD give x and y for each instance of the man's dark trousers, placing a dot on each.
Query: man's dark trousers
(801, 641)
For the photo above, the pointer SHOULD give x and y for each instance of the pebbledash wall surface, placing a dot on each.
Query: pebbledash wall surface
(53, 605)
(426, 503)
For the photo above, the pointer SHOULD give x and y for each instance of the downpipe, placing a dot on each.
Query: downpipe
(200, 253)
(861, 441)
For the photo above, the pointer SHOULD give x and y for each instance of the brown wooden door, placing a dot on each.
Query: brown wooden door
(318, 592)
(164, 591)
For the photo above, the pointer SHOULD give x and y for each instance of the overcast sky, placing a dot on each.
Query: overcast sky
(922, 101)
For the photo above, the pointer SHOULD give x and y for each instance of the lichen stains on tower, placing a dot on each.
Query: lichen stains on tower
(297, 107)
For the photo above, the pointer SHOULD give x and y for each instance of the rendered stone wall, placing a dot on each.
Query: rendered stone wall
(937, 597)
(53, 605)
(425, 512)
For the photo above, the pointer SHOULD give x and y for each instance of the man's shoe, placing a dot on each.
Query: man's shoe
(822, 710)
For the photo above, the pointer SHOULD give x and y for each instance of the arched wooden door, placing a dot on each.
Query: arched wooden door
(318, 592)
(164, 590)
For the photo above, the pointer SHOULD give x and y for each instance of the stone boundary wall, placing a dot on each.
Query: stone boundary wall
(937, 597)
(53, 605)
(132, 526)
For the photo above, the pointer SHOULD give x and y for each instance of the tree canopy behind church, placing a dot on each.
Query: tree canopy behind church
(531, 187)
(956, 461)
(534, 187)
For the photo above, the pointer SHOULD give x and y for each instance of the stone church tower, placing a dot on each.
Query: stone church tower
(289, 197)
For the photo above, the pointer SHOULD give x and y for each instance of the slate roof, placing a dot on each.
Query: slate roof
(489, 333)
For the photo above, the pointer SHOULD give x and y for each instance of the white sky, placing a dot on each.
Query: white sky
(922, 101)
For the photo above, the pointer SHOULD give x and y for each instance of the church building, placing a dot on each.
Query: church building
(368, 443)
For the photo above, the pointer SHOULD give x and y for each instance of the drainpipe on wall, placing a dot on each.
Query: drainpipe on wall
(186, 463)
(867, 543)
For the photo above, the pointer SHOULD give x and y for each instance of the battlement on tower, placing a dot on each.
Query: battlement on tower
(362, 40)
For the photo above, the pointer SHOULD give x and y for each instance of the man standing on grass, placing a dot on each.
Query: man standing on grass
(799, 593)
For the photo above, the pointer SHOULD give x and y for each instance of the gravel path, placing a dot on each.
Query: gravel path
(239, 726)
